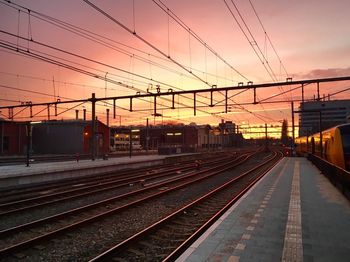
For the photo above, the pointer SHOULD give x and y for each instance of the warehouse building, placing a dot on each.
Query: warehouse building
(69, 137)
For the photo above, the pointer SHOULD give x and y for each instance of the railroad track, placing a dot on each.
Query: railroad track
(166, 239)
(74, 218)
(68, 228)
(80, 189)
(28, 191)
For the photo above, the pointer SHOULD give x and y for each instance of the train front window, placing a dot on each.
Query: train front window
(346, 143)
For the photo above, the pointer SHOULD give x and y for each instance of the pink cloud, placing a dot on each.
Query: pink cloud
(324, 73)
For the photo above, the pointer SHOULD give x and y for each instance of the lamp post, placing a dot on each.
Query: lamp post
(29, 137)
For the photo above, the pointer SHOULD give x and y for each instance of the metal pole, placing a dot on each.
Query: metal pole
(93, 128)
(194, 104)
(130, 142)
(109, 132)
(107, 112)
(2, 138)
(84, 113)
(208, 141)
(28, 143)
(302, 93)
(265, 136)
(320, 122)
(147, 136)
(76, 114)
(293, 136)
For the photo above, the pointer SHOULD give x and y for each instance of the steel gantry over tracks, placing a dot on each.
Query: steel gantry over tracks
(301, 84)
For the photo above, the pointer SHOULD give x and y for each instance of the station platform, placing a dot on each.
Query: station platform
(14, 175)
(293, 214)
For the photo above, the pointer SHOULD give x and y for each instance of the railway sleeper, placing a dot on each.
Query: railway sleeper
(181, 229)
(185, 224)
(135, 252)
(175, 229)
(119, 259)
(39, 247)
(181, 234)
(19, 255)
(159, 237)
(165, 232)
(150, 244)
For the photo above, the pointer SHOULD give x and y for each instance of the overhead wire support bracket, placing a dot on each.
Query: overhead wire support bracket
(48, 112)
(170, 90)
(211, 95)
(114, 108)
(302, 93)
(194, 104)
(11, 113)
(226, 91)
(155, 105)
(254, 89)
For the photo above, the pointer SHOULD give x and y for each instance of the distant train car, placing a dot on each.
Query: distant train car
(301, 145)
(335, 145)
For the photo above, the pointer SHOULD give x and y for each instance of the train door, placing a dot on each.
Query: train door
(312, 146)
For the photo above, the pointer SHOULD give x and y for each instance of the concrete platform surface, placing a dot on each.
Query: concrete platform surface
(36, 168)
(19, 175)
(293, 214)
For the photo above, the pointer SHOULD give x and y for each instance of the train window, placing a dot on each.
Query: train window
(345, 134)
(325, 150)
(346, 143)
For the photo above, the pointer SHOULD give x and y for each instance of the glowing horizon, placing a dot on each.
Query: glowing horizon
(310, 39)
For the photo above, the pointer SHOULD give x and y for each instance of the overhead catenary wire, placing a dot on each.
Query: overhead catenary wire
(57, 49)
(97, 38)
(104, 13)
(49, 60)
(166, 9)
(252, 41)
(179, 21)
(269, 39)
(272, 45)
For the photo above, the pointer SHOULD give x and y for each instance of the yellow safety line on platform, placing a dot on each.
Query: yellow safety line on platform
(293, 245)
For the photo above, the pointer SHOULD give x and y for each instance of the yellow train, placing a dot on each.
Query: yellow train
(335, 145)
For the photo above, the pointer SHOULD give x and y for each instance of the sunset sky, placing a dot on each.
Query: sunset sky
(312, 39)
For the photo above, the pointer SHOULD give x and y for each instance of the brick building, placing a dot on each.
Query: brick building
(13, 137)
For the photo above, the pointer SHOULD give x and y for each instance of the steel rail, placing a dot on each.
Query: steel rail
(108, 254)
(92, 189)
(69, 228)
(5, 192)
(187, 243)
